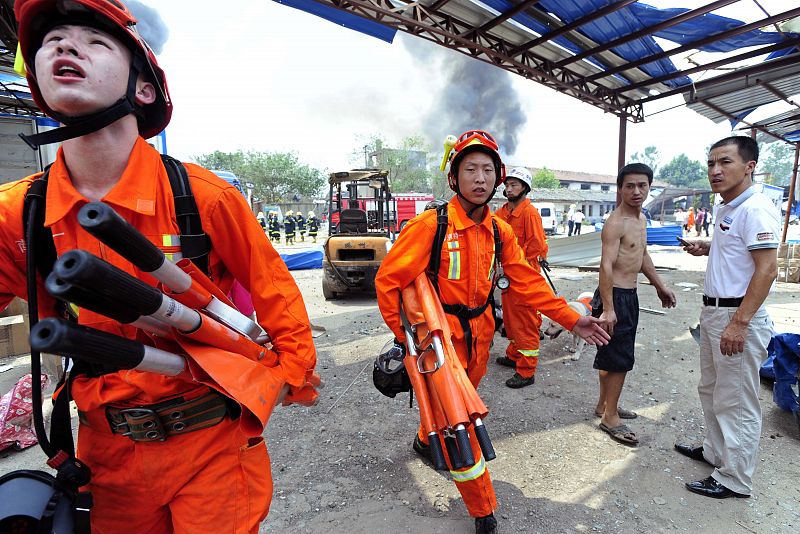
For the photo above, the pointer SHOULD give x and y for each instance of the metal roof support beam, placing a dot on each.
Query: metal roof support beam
(714, 64)
(787, 120)
(621, 145)
(647, 31)
(772, 89)
(753, 127)
(734, 75)
(577, 23)
(697, 44)
(437, 5)
(522, 5)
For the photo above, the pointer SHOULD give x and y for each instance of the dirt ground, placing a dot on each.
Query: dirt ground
(346, 465)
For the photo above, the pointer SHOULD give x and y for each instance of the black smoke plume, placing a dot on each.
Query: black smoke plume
(150, 25)
(473, 95)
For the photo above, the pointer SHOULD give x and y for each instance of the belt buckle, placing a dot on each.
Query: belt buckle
(149, 420)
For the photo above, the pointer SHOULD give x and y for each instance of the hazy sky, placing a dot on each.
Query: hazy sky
(254, 74)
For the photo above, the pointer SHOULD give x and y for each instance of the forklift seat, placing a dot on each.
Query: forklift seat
(353, 221)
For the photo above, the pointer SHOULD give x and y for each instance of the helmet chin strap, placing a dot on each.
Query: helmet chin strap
(93, 122)
(516, 198)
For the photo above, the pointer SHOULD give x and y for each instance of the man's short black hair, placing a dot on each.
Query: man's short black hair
(745, 145)
(635, 168)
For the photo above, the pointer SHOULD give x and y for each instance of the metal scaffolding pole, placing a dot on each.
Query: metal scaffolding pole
(792, 187)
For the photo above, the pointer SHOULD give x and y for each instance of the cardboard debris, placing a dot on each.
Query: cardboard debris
(14, 336)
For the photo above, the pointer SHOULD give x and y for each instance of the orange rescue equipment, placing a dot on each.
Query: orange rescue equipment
(448, 402)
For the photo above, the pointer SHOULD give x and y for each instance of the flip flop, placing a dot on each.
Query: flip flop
(622, 413)
(621, 433)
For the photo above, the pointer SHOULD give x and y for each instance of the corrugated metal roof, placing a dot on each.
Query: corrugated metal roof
(785, 124)
(575, 251)
(571, 195)
(730, 99)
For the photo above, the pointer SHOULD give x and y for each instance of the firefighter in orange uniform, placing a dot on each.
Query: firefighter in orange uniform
(88, 68)
(467, 273)
(521, 320)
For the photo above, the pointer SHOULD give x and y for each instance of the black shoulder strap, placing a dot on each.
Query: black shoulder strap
(498, 243)
(195, 244)
(45, 253)
(438, 243)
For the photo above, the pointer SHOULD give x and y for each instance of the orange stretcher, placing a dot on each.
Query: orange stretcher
(449, 406)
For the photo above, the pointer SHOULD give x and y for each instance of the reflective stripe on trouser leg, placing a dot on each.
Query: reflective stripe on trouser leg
(522, 322)
(470, 473)
(474, 483)
(527, 362)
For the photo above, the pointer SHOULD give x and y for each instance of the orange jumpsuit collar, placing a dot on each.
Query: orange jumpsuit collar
(461, 221)
(132, 191)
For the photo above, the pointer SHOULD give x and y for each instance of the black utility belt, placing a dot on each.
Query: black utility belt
(722, 302)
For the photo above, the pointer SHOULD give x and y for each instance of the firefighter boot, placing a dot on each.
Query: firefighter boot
(518, 381)
(422, 449)
(505, 361)
(486, 525)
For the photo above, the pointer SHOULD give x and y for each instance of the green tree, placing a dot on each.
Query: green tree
(545, 179)
(408, 165)
(649, 156)
(684, 172)
(777, 160)
(276, 176)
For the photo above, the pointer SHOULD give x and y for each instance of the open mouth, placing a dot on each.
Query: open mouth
(67, 70)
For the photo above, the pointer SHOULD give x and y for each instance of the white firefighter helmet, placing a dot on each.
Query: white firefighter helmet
(522, 174)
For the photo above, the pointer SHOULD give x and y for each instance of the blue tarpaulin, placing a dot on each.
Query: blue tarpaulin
(664, 235)
(343, 18)
(307, 258)
(783, 365)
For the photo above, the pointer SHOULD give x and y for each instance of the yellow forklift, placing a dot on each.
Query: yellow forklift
(361, 221)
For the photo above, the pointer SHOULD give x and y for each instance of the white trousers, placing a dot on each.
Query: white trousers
(728, 392)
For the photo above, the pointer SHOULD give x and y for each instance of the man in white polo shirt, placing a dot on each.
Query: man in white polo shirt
(734, 325)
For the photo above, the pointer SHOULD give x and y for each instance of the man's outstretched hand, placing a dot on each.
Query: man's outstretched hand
(588, 328)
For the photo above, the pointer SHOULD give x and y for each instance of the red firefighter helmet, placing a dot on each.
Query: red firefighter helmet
(472, 141)
(37, 17)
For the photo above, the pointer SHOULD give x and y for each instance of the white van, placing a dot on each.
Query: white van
(547, 210)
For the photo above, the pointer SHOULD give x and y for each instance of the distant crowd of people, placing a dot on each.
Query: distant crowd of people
(293, 224)
(699, 221)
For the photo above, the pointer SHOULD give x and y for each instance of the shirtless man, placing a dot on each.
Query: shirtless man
(616, 303)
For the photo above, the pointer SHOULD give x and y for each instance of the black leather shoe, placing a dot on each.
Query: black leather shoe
(709, 487)
(486, 525)
(695, 453)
